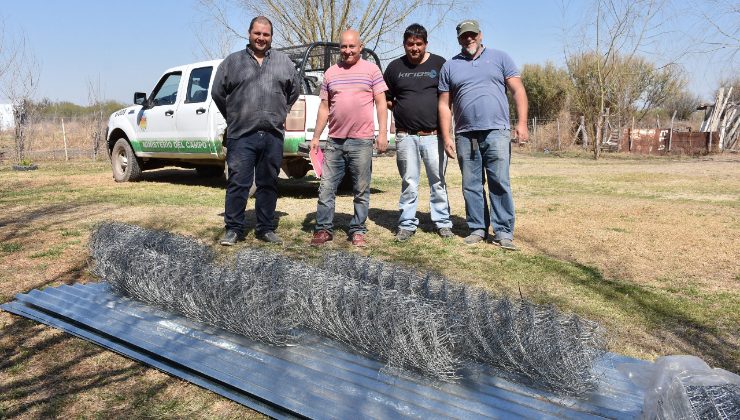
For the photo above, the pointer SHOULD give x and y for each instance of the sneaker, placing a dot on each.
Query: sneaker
(506, 243)
(446, 232)
(404, 235)
(358, 240)
(321, 237)
(231, 237)
(269, 237)
(472, 239)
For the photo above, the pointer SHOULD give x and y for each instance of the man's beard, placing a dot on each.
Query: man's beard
(472, 51)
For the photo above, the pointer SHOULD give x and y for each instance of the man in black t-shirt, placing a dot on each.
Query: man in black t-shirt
(412, 95)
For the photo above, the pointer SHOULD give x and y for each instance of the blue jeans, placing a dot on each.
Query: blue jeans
(411, 150)
(254, 157)
(488, 150)
(340, 155)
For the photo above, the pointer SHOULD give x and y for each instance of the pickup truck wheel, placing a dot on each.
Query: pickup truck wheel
(296, 168)
(207, 171)
(126, 166)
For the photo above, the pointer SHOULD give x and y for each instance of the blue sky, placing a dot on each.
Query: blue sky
(127, 45)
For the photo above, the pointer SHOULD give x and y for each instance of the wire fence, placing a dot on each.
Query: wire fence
(552, 349)
(410, 320)
(59, 138)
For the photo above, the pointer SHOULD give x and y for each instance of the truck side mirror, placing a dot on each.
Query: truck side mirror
(140, 98)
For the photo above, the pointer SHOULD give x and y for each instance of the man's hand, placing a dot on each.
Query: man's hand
(450, 150)
(382, 142)
(514, 84)
(521, 132)
(381, 107)
(444, 110)
(322, 117)
(315, 144)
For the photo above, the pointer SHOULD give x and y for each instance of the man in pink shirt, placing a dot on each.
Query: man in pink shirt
(348, 92)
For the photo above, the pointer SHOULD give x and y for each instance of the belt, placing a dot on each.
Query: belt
(416, 133)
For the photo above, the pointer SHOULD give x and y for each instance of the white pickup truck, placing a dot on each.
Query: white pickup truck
(179, 125)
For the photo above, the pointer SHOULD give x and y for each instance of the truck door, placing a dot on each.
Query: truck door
(157, 123)
(193, 117)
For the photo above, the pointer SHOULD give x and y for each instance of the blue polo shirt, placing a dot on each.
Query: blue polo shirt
(478, 89)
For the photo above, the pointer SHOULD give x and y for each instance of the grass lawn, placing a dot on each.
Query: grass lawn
(649, 247)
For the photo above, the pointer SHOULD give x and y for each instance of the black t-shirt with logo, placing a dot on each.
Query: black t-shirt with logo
(414, 90)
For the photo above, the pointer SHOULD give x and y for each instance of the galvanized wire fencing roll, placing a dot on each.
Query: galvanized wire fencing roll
(409, 320)
(711, 402)
(176, 273)
(405, 331)
(271, 298)
(552, 350)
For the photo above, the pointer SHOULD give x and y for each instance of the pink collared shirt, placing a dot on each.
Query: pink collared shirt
(351, 92)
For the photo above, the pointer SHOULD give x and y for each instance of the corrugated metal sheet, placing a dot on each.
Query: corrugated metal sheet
(651, 141)
(317, 379)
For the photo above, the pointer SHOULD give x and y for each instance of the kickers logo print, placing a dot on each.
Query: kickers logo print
(432, 74)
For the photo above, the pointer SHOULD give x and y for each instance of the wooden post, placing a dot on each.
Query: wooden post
(728, 117)
(558, 125)
(670, 133)
(632, 130)
(534, 132)
(64, 134)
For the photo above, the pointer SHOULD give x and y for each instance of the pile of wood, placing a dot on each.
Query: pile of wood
(723, 118)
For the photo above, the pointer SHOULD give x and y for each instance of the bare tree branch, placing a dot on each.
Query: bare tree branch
(19, 85)
(215, 33)
(606, 69)
(96, 124)
(306, 21)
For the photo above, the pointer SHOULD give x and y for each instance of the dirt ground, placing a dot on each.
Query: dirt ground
(650, 247)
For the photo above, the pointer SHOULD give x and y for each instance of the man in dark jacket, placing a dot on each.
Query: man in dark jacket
(254, 89)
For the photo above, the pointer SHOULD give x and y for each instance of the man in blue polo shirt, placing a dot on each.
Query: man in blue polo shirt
(474, 83)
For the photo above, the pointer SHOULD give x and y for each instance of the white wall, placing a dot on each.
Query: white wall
(6, 116)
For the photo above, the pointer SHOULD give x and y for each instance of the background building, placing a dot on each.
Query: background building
(6, 116)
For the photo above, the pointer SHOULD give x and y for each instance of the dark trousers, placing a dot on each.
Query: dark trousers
(254, 157)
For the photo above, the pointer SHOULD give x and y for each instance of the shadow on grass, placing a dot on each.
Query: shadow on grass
(44, 381)
(18, 225)
(48, 374)
(389, 220)
(667, 318)
(306, 187)
(341, 223)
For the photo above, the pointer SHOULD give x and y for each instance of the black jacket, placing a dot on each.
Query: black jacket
(253, 97)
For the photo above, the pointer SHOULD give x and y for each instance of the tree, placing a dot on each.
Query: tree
(634, 86)
(215, 33)
(19, 84)
(306, 21)
(97, 124)
(547, 87)
(7, 50)
(731, 82)
(720, 30)
(684, 103)
(615, 30)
